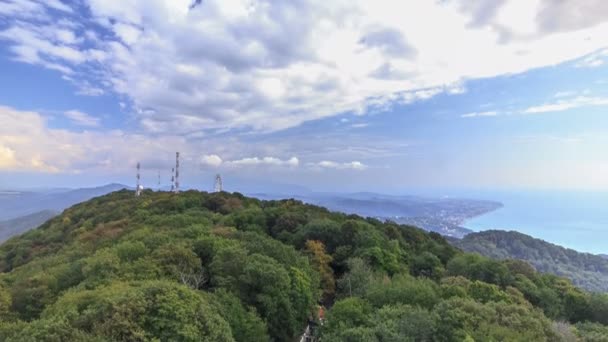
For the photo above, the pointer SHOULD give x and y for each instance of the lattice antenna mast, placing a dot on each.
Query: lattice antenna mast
(158, 180)
(218, 183)
(172, 179)
(176, 172)
(138, 186)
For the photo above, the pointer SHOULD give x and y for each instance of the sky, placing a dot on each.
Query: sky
(335, 95)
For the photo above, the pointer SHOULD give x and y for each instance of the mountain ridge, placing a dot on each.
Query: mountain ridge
(587, 270)
(224, 267)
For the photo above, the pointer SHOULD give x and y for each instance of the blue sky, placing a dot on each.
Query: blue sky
(345, 96)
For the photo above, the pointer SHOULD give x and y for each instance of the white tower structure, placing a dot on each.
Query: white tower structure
(218, 183)
(176, 172)
(138, 187)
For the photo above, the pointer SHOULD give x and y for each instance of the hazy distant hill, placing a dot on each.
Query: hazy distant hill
(14, 204)
(585, 270)
(22, 224)
(441, 215)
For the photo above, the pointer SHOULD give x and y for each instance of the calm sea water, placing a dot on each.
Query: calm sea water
(574, 220)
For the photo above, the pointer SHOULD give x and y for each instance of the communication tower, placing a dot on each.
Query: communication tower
(172, 179)
(218, 183)
(176, 172)
(138, 186)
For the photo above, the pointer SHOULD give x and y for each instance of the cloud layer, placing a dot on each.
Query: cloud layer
(27, 143)
(266, 65)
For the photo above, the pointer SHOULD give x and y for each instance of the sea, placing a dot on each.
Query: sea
(576, 220)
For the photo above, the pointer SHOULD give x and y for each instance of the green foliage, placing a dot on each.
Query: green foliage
(592, 332)
(403, 289)
(426, 264)
(142, 312)
(321, 262)
(224, 267)
(357, 280)
(244, 322)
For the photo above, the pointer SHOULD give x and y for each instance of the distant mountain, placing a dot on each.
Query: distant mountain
(441, 215)
(14, 204)
(22, 224)
(586, 270)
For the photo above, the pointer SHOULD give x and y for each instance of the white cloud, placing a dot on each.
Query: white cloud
(328, 164)
(565, 93)
(269, 66)
(272, 161)
(211, 160)
(579, 101)
(479, 114)
(81, 119)
(28, 144)
(594, 60)
(7, 158)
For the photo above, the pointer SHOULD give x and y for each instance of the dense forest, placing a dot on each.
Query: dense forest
(223, 267)
(585, 270)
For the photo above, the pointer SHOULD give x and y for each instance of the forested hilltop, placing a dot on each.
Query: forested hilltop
(223, 267)
(585, 270)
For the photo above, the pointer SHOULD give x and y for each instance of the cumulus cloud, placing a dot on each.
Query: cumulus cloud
(593, 60)
(81, 119)
(570, 15)
(571, 103)
(390, 41)
(211, 160)
(265, 66)
(479, 114)
(272, 161)
(7, 158)
(328, 164)
(27, 143)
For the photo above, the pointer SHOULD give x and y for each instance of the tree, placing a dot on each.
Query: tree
(181, 263)
(245, 323)
(403, 289)
(142, 311)
(426, 264)
(357, 280)
(321, 262)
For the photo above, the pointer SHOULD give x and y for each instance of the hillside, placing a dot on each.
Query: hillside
(14, 204)
(585, 270)
(224, 267)
(19, 225)
(440, 215)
